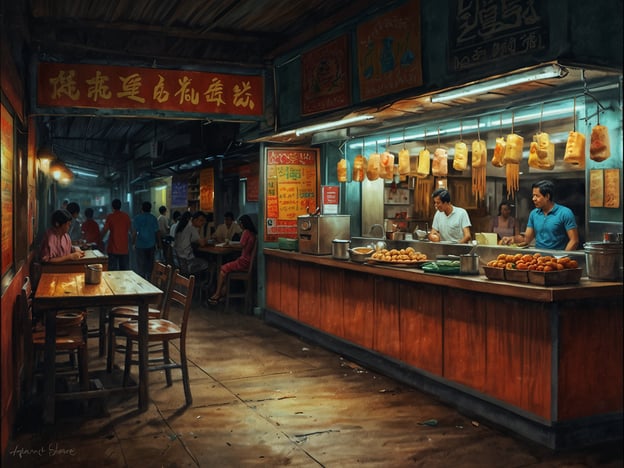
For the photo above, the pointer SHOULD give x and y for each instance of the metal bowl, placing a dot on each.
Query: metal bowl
(360, 254)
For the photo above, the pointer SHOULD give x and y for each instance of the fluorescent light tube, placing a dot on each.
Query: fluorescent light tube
(543, 73)
(332, 125)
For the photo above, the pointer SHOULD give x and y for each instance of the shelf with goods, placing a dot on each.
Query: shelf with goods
(193, 192)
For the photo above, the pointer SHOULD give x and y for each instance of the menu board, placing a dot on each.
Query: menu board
(179, 192)
(6, 191)
(206, 189)
(291, 189)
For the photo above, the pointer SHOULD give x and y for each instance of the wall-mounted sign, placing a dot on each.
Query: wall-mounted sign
(291, 189)
(179, 192)
(330, 199)
(483, 31)
(206, 189)
(325, 77)
(112, 87)
(389, 52)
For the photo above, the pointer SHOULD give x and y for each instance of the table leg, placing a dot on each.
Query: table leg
(143, 357)
(102, 331)
(49, 360)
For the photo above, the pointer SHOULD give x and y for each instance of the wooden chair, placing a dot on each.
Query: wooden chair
(161, 278)
(70, 337)
(164, 330)
(244, 279)
(205, 277)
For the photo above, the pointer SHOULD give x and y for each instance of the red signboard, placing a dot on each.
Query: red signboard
(325, 77)
(112, 87)
(389, 52)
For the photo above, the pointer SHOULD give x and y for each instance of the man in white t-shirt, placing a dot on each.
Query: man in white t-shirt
(229, 230)
(450, 223)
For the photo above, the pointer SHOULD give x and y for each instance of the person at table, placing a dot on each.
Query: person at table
(227, 231)
(172, 230)
(75, 230)
(91, 231)
(56, 245)
(553, 226)
(145, 239)
(450, 223)
(187, 236)
(503, 224)
(248, 242)
(119, 224)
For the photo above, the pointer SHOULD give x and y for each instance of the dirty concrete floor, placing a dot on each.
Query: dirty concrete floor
(263, 397)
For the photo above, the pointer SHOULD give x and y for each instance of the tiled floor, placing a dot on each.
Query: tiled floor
(262, 397)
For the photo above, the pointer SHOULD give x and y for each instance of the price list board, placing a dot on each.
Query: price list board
(291, 189)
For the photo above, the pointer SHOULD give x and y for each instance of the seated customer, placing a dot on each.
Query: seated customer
(504, 224)
(56, 245)
(186, 236)
(248, 242)
(227, 231)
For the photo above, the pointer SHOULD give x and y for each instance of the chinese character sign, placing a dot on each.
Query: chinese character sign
(291, 189)
(111, 87)
(483, 31)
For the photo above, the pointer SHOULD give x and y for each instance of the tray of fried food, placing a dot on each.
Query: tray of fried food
(398, 257)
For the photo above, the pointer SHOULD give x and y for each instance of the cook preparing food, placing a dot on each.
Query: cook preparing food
(450, 223)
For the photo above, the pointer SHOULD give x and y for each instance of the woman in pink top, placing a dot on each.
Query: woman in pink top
(242, 263)
(57, 245)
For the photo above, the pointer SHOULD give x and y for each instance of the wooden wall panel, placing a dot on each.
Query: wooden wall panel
(359, 299)
(518, 354)
(289, 289)
(589, 384)
(332, 301)
(309, 294)
(421, 327)
(272, 282)
(464, 338)
(386, 338)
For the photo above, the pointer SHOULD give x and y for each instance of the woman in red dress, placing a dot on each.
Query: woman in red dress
(242, 263)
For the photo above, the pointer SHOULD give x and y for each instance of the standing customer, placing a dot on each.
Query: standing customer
(228, 230)
(553, 226)
(503, 223)
(91, 231)
(119, 225)
(163, 221)
(56, 245)
(242, 263)
(145, 238)
(75, 230)
(174, 226)
(450, 223)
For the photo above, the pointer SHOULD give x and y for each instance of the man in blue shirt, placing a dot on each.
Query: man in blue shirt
(552, 225)
(146, 236)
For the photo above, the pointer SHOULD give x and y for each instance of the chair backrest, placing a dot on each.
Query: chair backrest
(254, 253)
(168, 251)
(161, 277)
(180, 294)
(182, 264)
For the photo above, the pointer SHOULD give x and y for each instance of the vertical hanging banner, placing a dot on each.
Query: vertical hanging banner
(206, 189)
(389, 52)
(112, 87)
(291, 189)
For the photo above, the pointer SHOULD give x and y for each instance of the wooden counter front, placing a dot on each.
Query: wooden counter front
(543, 361)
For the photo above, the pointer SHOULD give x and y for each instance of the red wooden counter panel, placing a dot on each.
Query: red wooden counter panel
(502, 345)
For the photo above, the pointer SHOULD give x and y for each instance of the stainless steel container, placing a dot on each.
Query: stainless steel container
(603, 261)
(93, 273)
(316, 232)
(340, 249)
(469, 264)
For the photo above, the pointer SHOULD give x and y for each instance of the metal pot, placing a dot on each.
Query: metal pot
(469, 264)
(93, 273)
(340, 249)
(604, 261)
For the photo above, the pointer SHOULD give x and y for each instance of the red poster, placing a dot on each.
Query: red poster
(6, 190)
(291, 189)
(389, 52)
(325, 77)
(206, 189)
(110, 87)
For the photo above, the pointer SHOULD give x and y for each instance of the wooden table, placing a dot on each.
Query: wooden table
(78, 266)
(67, 291)
(218, 251)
